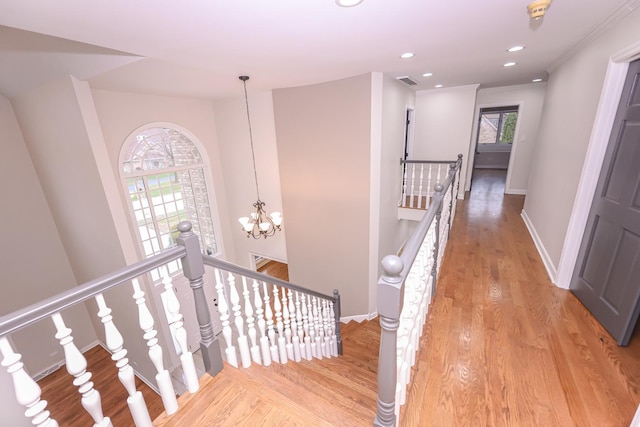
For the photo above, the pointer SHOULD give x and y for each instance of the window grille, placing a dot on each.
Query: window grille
(164, 176)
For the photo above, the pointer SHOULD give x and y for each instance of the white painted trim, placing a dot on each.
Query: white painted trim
(411, 213)
(600, 134)
(546, 259)
(359, 318)
(609, 22)
(474, 140)
(516, 191)
(635, 422)
(375, 166)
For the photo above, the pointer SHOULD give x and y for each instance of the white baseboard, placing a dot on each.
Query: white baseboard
(516, 191)
(546, 259)
(360, 318)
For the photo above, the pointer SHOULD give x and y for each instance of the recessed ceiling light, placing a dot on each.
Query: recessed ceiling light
(509, 64)
(406, 55)
(515, 49)
(427, 75)
(348, 3)
(439, 86)
(536, 80)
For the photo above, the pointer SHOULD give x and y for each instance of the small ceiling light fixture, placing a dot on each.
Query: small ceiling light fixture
(259, 223)
(427, 75)
(536, 80)
(509, 64)
(406, 55)
(348, 3)
(515, 49)
(538, 8)
(438, 86)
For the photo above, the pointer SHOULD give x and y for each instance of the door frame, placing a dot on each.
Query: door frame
(474, 143)
(598, 142)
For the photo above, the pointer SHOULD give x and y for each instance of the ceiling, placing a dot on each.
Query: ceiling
(198, 48)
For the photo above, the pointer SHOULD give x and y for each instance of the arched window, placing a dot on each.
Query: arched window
(164, 176)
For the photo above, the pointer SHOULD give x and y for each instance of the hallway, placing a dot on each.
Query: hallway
(503, 345)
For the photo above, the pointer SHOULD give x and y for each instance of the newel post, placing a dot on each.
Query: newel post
(390, 299)
(337, 311)
(193, 269)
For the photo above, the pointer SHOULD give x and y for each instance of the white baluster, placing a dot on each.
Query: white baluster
(27, 391)
(420, 187)
(251, 330)
(77, 366)
(223, 309)
(334, 338)
(163, 379)
(413, 183)
(176, 324)
(264, 341)
(287, 325)
(282, 343)
(115, 344)
(317, 321)
(429, 189)
(273, 348)
(312, 329)
(326, 323)
(243, 343)
(438, 177)
(404, 186)
(305, 327)
(296, 325)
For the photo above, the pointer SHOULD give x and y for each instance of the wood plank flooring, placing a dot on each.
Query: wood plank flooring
(502, 346)
(64, 400)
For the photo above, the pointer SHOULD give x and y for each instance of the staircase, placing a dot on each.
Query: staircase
(340, 391)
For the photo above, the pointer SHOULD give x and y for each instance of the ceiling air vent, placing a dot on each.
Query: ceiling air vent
(408, 80)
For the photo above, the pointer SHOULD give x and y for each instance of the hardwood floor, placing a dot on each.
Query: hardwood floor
(328, 392)
(275, 269)
(64, 399)
(503, 346)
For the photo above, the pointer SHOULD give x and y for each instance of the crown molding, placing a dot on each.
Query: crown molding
(622, 11)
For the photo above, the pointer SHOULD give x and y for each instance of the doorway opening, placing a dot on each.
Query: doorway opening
(271, 267)
(496, 133)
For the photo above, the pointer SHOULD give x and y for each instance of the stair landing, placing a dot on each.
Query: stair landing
(340, 391)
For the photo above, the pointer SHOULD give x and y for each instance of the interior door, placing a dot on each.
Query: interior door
(606, 277)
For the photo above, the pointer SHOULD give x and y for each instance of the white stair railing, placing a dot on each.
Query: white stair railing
(293, 324)
(404, 293)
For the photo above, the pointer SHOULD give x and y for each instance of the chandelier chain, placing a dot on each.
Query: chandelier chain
(253, 156)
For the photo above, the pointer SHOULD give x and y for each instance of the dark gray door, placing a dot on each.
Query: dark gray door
(606, 277)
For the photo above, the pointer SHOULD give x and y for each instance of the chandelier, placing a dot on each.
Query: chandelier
(259, 223)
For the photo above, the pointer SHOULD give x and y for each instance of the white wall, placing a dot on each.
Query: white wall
(34, 265)
(120, 114)
(573, 93)
(443, 123)
(530, 99)
(233, 137)
(395, 97)
(324, 140)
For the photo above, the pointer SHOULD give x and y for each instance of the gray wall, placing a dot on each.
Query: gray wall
(324, 133)
(34, 263)
(571, 101)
